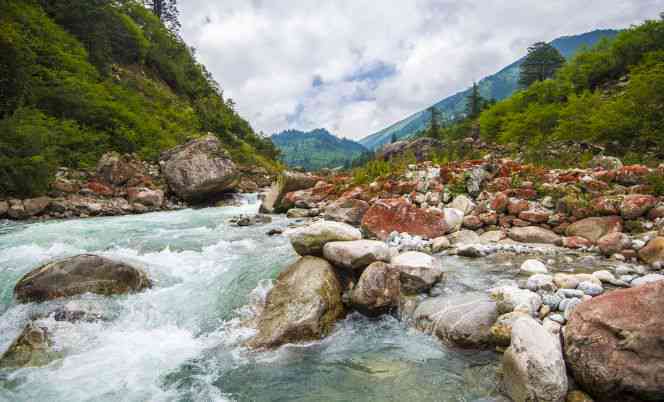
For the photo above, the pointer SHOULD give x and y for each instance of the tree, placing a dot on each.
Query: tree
(394, 138)
(434, 122)
(474, 102)
(167, 11)
(540, 64)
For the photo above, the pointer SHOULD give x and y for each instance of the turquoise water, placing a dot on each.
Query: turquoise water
(181, 340)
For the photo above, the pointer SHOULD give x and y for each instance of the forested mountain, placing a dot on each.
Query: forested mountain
(316, 149)
(82, 77)
(497, 86)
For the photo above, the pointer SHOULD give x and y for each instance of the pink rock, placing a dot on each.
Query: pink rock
(535, 216)
(575, 242)
(472, 222)
(636, 205)
(516, 206)
(613, 243)
(499, 202)
(386, 216)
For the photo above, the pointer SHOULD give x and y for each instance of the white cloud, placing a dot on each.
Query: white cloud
(267, 54)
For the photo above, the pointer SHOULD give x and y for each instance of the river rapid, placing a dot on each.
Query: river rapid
(182, 339)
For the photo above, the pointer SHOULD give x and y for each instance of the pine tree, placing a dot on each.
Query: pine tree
(434, 122)
(167, 11)
(475, 102)
(540, 64)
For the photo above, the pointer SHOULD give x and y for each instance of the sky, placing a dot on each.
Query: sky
(357, 66)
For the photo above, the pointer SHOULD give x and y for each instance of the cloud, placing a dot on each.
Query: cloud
(357, 66)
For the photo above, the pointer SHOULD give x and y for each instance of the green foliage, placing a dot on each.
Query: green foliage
(379, 168)
(542, 61)
(316, 149)
(656, 182)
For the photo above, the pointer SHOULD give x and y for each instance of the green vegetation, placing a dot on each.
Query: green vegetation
(82, 77)
(541, 63)
(379, 168)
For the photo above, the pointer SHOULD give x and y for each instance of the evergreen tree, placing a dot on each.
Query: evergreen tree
(540, 64)
(434, 123)
(394, 138)
(475, 102)
(167, 11)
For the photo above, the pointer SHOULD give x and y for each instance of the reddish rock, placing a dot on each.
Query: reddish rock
(506, 221)
(516, 206)
(631, 175)
(613, 344)
(385, 216)
(520, 223)
(489, 218)
(500, 184)
(65, 186)
(35, 206)
(594, 228)
(347, 210)
(595, 185)
(533, 234)
(524, 193)
(535, 216)
(145, 196)
(606, 176)
(606, 205)
(499, 202)
(472, 222)
(100, 189)
(656, 213)
(115, 169)
(653, 252)
(575, 242)
(613, 243)
(636, 205)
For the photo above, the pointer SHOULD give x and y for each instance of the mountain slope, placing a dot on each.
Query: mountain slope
(316, 149)
(497, 86)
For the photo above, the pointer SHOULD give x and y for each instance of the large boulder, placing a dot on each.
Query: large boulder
(35, 206)
(77, 275)
(533, 234)
(199, 170)
(310, 239)
(378, 289)
(145, 196)
(4, 207)
(613, 243)
(422, 149)
(418, 272)
(653, 252)
(613, 344)
(32, 348)
(533, 365)
(387, 216)
(595, 228)
(463, 320)
(347, 210)
(512, 298)
(303, 305)
(116, 170)
(636, 205)
(287, 182)
(357, 254)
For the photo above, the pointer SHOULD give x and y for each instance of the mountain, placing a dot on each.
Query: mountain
(497, 86)
(316, 149)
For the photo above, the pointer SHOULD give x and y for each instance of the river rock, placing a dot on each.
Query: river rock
(646, 279)
(613, 344)
(397, 214)
(463, 204)
(4, 207)
(300, 213)
(533, 234)
(440, 244)
(310, 239)
(35, 206)
(464, 237)
(115, 169)
(533, 365)
(377, 291)
(16, 210)
(636, 205)
(462, 320)
(653, 252)
(347, 210)
(590, 288)
(453, 218)
(32, 348)
(199, 169)
(541, 282)
(286, 183)
(613, 243)
(418, 272)
(501, 330)
(145, 196)
(77, 275)
(533, 267)
(303, 305)
(595, 228)
(511, 298)
(357, 254)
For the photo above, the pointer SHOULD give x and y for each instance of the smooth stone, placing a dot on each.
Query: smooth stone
(356, 254)
(310, 239)
(533, 267)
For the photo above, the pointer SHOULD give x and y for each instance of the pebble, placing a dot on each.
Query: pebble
(551, 300)
(590, 289)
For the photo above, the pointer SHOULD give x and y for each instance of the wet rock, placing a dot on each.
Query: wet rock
(653, 252)
(463, 237)
(286, 183)
(35, 206)
(77, 275)
(16, 210)
(590, 288)
(595, 228)
(533, 366)
(613, 243)
(377, 291)
(32, 348)
(463, 204)
(310, 239)
(303, 305)
(462, 320)
(613, 344)
(250, 220)
(533, 267)
(145, 196)
(347, 210)
(510, 298)
(439, 244)
(199, 170)
(4, 207)
(357, 254)
(646, 279)
(418, 272)
(386, 216)
(299, 213)
(636, 205)
(533, 234)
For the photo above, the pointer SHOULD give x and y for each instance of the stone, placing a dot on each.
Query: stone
(501, 330)
(439, 244)
(576, 242)
(461, 320)
(636, 205)
(613, 243)
(653, 252)
(80, 274)
(453, 218)
(613, 344)
(303, 305)
(541, 282)
(386, 216)
(606, 162)
(287, 182)
(116, 170)
(595, 228)
(199, 170)
(32, 348)
(535, 216)
(568, 308)
(4, 207)
(145, 196)
(300, 213)
(377, 291)
(472, 222)
(605, 276)
(356, 254)
(646, 279)
(533, 365)
(475, 179)
(418, 272)
(565, 281)
(463, 204)
(551, 300)
(578, 396)
(533, 267)
(347, 210)
(510, 298)
(463, 237)
(310, 239)
(590, 288)
(35, 206)
(16, 210)
(533, 234)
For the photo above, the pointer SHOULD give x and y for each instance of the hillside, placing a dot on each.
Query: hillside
(79, 78)
(497, 86)
(316, 149)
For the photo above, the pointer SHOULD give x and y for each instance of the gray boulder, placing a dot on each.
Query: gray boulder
(356, 254)
(377, 291)
(310, 239)
(533, 234)
(418, 272)
(286, 182)
(347, 210)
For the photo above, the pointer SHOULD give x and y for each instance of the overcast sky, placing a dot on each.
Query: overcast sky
(357, 66)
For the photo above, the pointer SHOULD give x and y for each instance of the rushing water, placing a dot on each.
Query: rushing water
(181, 340)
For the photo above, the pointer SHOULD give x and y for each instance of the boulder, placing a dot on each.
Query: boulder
(439, 244)
(77, 275)
(476, 178)
(387, 216)
(347, 210)
(646, 279)
(199, 170)
(286, 182)
(613, 243)
(32, 348)
(464, 237)
(4, 207)
(653, 252)
(533, 365)
(377, 291)
(115, 169)
(462, 320)
(422, 148)
(357, 254)
(511, 298)
(533, 234)
(613, 344)
(303, 305)
(453, 218)
(310, 239)
(16, 210)
(418, 272)
(463, 204)
(145, 196)
(501, 330)
(595, 228)
(636, 205)
(533, 267)
(35, 206)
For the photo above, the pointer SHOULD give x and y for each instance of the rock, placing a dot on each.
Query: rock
(576, 242)
(32, 348)
(565, 281)
(535, 216)
(65, 186)
(578, 396)
(303, 305)
(439, 244)
(310, 239)
(287, 182)
(510, 298)
(251, 220)
(568, 306)
(453, 218)
(533, 267)
(501, 331)
(299, 213)
(35, 206)
(145, 196)
(463, 204)
(463, 237)
(653, 252)
(646, 279)
(590, 288)
(476, 177)
(4, 207)
(377, 291)
(422, 148)
(533, 366)
(461, 320)
(515, 206)
(551, 300)
(77, 275)
(569, 294)
(492, 236)
(604, 276)
(472, 222)
(606, 162)
(500, 202)
(247, 185)
(115, 169)
(347, 210)
(386, 216)
(613, 243)
(418, 272)
(533, 234)
(357, 254)
(541, 282)
(595, 228)
(613, 344)
(199, 170)
(636, 205)
(16, 210)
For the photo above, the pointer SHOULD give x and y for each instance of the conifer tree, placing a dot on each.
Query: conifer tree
(540, 64)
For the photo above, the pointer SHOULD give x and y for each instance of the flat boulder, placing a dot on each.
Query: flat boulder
(595, 228)
(77, 275)
(303, 305)
(397, 214)
(377, 291)
(32, 348)
(287, 182)
(199, 170)
(613, 344)
(310, 239)
(356, 254)
(463, 320)
(346, 210)
(418, 272)
(533, 234)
